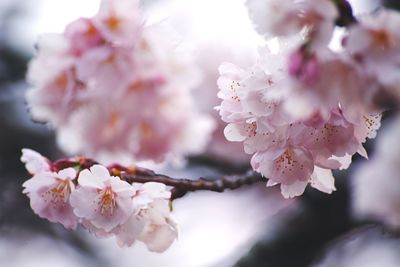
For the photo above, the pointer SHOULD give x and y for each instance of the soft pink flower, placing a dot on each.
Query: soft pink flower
(374, 43)
(151, 223)
(52, 74)
(287, 17)
(119, 21)
(336, 80)
(299, 124)
(160, 229)
(102, 200)
(335, 137)
(49, 194)
(105, 67)
(114, 87)
(34, 162)
(323, 180)
(305, 68)
(83, 35)
(287, 167)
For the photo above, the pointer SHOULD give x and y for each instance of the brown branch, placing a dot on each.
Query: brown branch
(183, 186)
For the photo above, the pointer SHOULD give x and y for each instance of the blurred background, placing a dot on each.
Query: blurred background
(253, 226)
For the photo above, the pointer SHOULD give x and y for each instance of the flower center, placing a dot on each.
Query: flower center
(382, 39)
(107, 200)
(59, 194)
(113, 23)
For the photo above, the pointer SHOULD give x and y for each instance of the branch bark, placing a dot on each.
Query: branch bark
(182, 186)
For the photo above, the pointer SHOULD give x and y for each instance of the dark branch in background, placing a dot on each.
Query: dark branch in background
(394, 4)
(346, 16)
(181, 186)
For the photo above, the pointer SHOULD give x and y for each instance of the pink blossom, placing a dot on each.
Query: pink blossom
(336, 80)
(336, 137)
(323, 180)
(119, 21)
(160, 229)
(288, 17)
(303, 68)
(34, 162)
(209, 55)
(298, 126)
(115, 87)
(151, 221)
(83, 35)
(49, 194)
(52, 74)
(104, 67)
(102, 200)
(292, 168)
(374, 45)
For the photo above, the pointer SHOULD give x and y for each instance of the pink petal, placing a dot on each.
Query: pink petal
(323, 180)
(293, 190)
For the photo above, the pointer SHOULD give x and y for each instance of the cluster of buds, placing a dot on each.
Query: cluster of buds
(79, 191)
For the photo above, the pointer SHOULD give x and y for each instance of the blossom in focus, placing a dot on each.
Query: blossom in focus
(102, 200)
(49, 194)
(104, 205)
(160, 229)
(376, 183)
(152, 222)
(306, 110)
(292, 150)
(114, 86)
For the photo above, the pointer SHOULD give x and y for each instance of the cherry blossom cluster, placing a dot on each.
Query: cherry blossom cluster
(70, 193)
(112, 85)
(306, 109)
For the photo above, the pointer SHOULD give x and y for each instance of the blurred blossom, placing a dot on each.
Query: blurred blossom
(314, 18)
(376, 183)
(115, 86)
(366, 248)
(375, 45)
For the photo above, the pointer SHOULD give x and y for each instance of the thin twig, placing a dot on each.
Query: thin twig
(183, 186)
